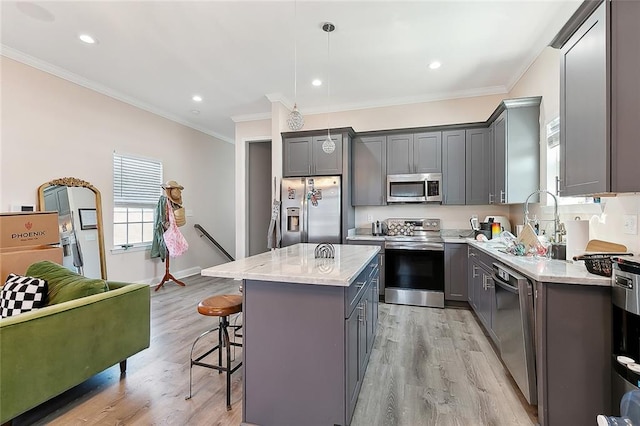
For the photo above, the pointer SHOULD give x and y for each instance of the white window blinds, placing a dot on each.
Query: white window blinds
(136, 181)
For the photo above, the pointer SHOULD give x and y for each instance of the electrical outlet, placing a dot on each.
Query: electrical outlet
(369, 218)
(630, 224)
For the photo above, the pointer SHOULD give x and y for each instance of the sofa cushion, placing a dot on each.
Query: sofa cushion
(22, 294)
(65, 285)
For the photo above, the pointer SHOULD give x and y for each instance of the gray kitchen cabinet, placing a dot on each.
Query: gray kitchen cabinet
(323, 163)
(516, 150)
(427, 152)
(414, 153)
(297, 156)
(381, 261)
(304, 156)
(328, 348)
(399, 154)
(453, 167)
(455, 272)
(600, 62)
(369, 171)
(481, 289)
(573, 352)
(479, 166)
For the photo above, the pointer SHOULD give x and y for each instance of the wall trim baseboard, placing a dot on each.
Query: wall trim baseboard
(178, 274)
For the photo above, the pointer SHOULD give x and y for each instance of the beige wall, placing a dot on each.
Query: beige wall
(52, 128)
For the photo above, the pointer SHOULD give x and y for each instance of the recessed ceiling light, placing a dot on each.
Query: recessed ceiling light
(86, 38)
(195, 111)
(435, 65)
(197, 98)
(317, 82)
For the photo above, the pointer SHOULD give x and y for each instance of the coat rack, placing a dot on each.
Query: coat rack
(167, 274)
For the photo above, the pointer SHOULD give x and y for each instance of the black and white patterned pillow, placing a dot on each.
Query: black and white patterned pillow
(22, 294)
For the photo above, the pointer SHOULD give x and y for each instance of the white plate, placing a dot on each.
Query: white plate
(634, 367)
(625, 360)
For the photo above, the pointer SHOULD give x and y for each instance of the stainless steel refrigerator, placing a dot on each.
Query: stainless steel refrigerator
(311, 210)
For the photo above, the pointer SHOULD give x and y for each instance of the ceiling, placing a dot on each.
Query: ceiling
(239, 54)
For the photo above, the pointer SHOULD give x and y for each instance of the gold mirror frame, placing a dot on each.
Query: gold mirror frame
(75, 182)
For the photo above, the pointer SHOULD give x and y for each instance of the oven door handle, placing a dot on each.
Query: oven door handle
(395, 245)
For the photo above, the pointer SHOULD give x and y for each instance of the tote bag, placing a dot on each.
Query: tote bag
(174, 240)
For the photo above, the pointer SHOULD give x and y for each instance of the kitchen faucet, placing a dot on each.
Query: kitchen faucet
(556, 219)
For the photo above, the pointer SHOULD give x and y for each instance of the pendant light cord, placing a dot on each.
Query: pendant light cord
(295, 53)
(328, 81)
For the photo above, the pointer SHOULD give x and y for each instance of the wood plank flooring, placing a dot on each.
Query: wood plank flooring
(428, 367)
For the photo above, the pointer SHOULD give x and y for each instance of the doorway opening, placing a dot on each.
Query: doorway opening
(258, 195)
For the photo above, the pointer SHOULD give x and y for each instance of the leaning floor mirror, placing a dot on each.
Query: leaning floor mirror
(78, 204)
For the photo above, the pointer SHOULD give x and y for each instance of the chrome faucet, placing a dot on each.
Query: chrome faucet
(556, 218)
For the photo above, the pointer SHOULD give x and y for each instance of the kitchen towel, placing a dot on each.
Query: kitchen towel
(577, 237)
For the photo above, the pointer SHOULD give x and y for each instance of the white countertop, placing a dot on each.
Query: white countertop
(296, 264)
(366, 237)
(543, 269)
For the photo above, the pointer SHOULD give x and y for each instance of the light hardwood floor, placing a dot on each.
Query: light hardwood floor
(428, 367)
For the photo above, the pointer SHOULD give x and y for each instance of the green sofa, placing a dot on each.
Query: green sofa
(50, 350)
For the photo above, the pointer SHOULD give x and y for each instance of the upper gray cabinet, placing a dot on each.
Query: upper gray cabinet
(305, 156)
(369, 171)
(479, 166)
(414, 153)
(600, 99)
(516, 150)
(453, 167)
(427, 152)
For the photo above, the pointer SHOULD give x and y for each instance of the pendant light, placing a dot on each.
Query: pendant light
(329, 145)
(295, 121)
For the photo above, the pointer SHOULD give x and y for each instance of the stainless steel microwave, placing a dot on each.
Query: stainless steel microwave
(414, 188)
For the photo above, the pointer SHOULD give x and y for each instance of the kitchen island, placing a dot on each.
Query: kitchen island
(308, 331)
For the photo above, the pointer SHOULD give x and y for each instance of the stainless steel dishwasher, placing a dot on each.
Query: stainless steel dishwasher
(515, 326)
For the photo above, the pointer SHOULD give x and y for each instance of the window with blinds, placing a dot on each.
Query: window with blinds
(136, 188)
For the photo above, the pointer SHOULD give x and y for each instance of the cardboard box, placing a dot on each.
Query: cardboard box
(28, 229)
(17, 261)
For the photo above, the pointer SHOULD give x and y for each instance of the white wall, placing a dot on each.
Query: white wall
(53, 128)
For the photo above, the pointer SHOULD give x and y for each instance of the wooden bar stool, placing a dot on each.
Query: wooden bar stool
(218, 306)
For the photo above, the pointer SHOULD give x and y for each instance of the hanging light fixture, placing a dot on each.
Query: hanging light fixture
(329, 145)
(295, 121)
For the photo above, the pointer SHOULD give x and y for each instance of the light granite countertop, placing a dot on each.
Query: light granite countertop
(296, 264)
(543, 269)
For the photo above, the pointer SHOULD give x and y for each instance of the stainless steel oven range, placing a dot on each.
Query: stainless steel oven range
(625, 295)
(414, 252)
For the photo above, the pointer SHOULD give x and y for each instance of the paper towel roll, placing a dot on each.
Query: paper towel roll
(577, 237)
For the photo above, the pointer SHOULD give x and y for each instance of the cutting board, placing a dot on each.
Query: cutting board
(604, 247)
(528, 237)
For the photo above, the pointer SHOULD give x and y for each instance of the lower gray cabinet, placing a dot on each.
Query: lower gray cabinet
(455, 272)
(573, 353)
(306, 349)
(381, 261)
(481, 289)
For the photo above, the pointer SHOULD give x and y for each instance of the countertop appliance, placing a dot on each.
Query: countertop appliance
(414, 188)
(502, 220)
(414, 270)
(378, 228)
(515, 328)
(625, 295)
(311, 210)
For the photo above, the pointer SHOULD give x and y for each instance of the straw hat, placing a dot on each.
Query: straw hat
(173, 190)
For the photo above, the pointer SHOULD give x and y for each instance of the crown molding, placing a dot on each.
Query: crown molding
(47, 67)
(251, 117)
